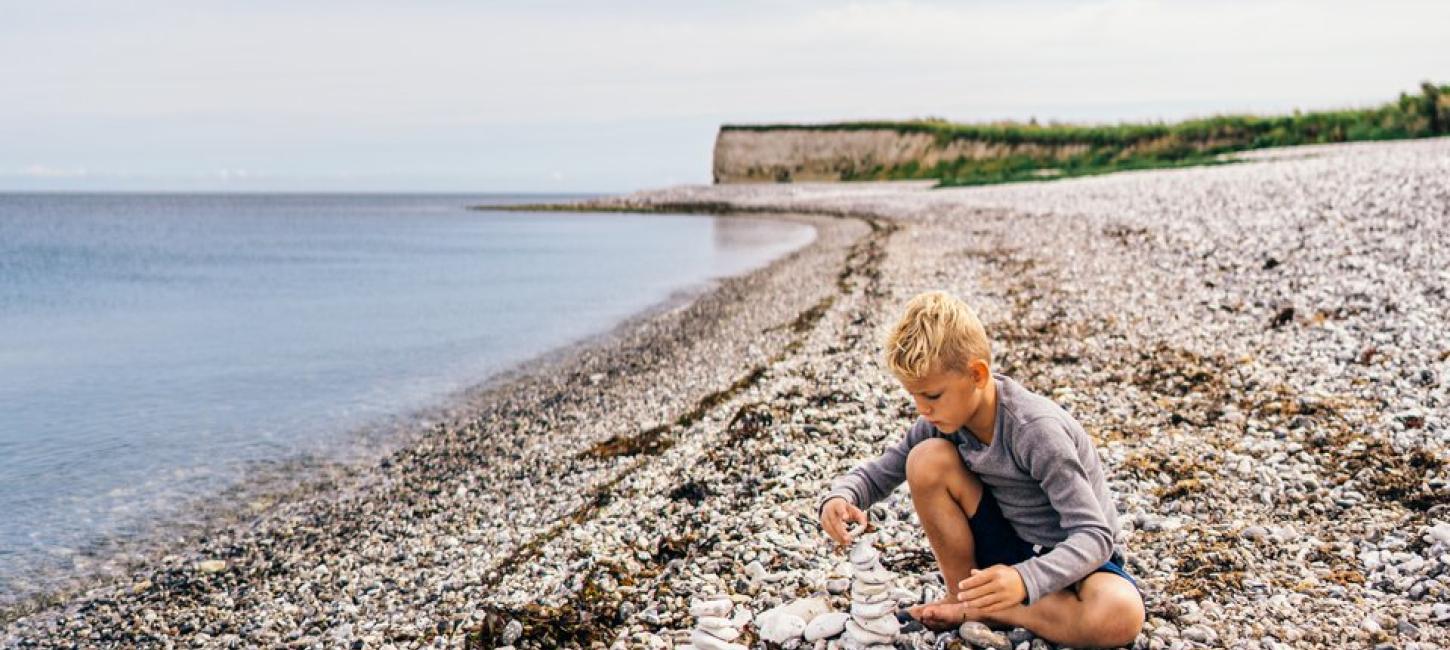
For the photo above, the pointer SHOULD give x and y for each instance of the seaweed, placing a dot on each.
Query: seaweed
(651, 441)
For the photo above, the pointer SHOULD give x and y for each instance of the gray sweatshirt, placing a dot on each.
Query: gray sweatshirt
(1044, 473)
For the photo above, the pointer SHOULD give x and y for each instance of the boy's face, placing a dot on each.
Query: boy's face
(949, 398)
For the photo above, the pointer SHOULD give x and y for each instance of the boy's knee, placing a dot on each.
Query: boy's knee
(932, 462)
(1121, 617)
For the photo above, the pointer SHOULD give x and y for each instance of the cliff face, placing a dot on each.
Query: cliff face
(971, 154)
(785, 155)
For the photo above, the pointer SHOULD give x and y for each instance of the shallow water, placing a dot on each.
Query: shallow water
(153, 348)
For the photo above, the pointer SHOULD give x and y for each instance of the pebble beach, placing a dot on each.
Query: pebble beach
(1259, 350)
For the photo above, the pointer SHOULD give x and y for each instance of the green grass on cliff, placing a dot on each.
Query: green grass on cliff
(1043, 152)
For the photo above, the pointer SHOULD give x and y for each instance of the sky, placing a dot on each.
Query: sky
(555, 96)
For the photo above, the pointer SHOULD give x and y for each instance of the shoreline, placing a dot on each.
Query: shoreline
(279, 481)
(293, 478)
(44, 563)
(1249, 345)
(595, 362)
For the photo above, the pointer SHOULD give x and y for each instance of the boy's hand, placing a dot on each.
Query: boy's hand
(834, 516)
(992, 589)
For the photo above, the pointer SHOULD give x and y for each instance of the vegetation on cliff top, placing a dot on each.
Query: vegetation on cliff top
(1074, 150)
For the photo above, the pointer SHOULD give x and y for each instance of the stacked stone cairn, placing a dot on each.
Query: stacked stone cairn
(713, 629)
(873, 624)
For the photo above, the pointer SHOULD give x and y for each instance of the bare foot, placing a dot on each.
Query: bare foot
(942, 615)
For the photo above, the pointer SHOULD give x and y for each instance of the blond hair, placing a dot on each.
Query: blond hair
(937, 333)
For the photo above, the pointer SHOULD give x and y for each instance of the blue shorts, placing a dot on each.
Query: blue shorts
(998, 543)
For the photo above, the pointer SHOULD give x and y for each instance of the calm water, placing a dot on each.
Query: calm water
(156, 348)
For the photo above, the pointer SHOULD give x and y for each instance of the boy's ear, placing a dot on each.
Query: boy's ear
(979, 370)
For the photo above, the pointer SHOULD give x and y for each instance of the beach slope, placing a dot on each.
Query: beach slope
(1258, 349)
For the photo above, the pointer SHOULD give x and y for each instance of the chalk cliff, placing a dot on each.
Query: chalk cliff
(744, 155)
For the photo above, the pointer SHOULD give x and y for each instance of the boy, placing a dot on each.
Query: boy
(1007, 486)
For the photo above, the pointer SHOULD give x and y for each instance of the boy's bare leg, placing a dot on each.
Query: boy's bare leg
(945, 494)
(1107, 611)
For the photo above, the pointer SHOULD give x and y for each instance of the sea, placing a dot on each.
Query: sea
(159, 350)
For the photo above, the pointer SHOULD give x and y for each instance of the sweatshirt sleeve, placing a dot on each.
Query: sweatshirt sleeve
(1051, 456)
(872, 480)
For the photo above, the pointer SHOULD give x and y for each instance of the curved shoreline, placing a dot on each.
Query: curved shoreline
(60, 553)
(269, 483)
(594, 364)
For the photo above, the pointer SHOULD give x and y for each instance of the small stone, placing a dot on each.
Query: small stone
(877, 577)
(704, 641)
(803, 608)
(904, 596)
(713, 607)
(857, 635)
(869, 594)
(1440, 532)
(1254, 533)
(1440, 612)
(743, 616)
(720, 628)
(781, 627)
(1200, 634)
(826, 625)
(1154, 524)
(873, 610)
(1284, 316)
(863, 555)
(650, 615)
(211, 566)
(882, 625)
(981, 636)
(756, 571)
(512, 631)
